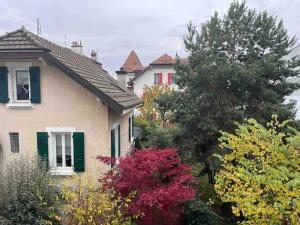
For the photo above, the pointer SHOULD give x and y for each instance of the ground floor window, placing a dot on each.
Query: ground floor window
(61, 150)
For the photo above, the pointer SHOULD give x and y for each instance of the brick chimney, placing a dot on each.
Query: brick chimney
(77, 47)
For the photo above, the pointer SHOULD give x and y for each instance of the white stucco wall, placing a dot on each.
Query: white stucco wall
(147, 78)
(295, 96)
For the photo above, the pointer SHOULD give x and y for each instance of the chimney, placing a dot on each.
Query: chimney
(94, 56)
(77, 47)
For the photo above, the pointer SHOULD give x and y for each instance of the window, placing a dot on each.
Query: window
(171, 78)
(61, 150)
(22, 91)
(14, 142)
(130, 125)
(19, 84)
(157, 78)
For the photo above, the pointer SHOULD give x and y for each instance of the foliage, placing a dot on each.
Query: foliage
(261, 174)
(160, 183)
(198, 213)
(236, 71)
(27, 194)
(137, 143)
(161, 137)
(85, 203)
(149, 114)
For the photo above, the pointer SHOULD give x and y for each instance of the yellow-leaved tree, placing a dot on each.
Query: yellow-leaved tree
(149, 113)
(261, 173)
(87, 204)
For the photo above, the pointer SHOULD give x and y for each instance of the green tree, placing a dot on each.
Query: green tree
(261, 174)
(236, 71)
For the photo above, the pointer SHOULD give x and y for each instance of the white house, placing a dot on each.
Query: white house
(160, 71)
(295, 96)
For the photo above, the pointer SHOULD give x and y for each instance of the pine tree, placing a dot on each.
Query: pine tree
(236, 71)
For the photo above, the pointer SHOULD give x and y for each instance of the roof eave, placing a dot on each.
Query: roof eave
(22, 50)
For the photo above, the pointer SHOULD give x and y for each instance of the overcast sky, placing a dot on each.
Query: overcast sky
(114, 27)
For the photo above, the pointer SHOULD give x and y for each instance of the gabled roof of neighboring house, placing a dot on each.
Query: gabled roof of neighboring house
(81, 68)
(164, 60)
(132, 63)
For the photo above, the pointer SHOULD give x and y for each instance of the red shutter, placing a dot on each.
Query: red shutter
(160, 79)
(169, 78)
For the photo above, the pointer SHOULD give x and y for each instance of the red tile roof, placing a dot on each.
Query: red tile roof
(165, 59)
(184, 61)
(132, 63)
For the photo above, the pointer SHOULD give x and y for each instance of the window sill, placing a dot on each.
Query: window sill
(62, 172)
(15, 105)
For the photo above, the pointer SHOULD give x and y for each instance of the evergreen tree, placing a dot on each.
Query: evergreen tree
(236, 71)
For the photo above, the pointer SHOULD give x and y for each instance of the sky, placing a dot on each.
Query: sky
(115, 27)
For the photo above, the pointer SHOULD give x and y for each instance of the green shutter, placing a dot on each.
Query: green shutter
(119, 140)
(4, 85)
(35, 84)
(78, 144)
(112, 143)
(42, 146)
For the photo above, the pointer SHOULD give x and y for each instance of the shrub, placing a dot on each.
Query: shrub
(261, 174)
(85, 203)
(198, 213)
(27, 194)
(159, 180)
(161, 137)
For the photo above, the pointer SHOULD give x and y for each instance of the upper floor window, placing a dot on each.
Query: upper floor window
(171, 78)
(20, 84)
(22, 88)
(158, 78)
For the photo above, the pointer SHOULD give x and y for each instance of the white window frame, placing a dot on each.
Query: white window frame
(131, 128)
(52, 150)
(115, 128)
(13, 67)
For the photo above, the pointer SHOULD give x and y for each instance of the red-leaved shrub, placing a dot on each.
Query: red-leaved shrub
(160, 182)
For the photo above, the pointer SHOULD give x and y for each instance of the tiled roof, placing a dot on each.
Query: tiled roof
(184, 61)
(132, 63)
(165, 59)
(83, 67)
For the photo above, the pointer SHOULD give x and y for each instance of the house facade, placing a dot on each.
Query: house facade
(295, 96)
(160, 71)
(60, 105)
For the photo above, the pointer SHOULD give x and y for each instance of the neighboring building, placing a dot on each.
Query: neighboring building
(295, 96)
(130, 68)
(160, 71)
(61, 105)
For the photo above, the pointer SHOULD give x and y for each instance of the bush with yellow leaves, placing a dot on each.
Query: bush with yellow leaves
(261, 174)
(88, 204)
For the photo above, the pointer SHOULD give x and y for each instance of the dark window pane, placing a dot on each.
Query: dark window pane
(22, 80)
(58, 150)
(68, 150)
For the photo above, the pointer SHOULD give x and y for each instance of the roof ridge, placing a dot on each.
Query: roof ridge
(28, 34)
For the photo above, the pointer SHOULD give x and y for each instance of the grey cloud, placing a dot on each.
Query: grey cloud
(114, 27)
